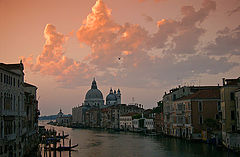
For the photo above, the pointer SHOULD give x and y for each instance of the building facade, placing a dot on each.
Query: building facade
(229, 111)
(172, 107)
(18, 111)
(237, 100)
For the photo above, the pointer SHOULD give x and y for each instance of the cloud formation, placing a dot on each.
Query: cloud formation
(120, 53)
(230, 12)
(147, 18)
(226, 43)
(184, 34)
(52, 60)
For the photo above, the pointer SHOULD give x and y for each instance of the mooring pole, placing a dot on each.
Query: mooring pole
(63, 137)
(70, 143)
(60, 150)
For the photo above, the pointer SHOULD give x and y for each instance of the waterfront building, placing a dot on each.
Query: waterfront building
(237, 100)
(143, 123)
(135, 123)
(168, 103)
(77, 115)
(94, 117)
(229, 112)
(18, 112)
(190, 113)
(63, 120)
(110, 116)
(31, 121)
(126, 121)
(158, 117)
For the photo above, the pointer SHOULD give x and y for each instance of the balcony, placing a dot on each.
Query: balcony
(8, 113)
(10, 137)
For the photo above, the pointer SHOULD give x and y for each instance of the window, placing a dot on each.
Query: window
(6, 149)
(189, 106)
(217, 117)
(4, 78)
(233, 128)
(1, 151)
(232, 96)
(232, 115)
(174, 97)
(14, 82)
(219, 106)
(200, 106)
(1, 77)
(200, 119)
(18, 83)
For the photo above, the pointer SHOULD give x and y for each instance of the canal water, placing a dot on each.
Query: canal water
(96, 143)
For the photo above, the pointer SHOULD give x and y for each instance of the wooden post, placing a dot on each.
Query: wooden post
(60, 151)
(70, 147)
(63, 137)
(70, 142)
(55, 145)
(55, 153)
(44, 151)
(50, 152)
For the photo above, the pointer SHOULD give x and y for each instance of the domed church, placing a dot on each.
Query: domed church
(113, 98)
(94, 96)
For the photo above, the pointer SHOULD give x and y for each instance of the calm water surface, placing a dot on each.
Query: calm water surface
(94, 143)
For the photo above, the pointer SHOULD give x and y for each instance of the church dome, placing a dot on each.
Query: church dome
(94, 93)
(111, 96)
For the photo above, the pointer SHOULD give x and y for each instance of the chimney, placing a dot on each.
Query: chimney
(223, 79)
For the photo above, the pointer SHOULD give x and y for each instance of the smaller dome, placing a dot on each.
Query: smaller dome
(111, 97)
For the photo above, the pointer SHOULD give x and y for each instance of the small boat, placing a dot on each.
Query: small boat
(65, 148)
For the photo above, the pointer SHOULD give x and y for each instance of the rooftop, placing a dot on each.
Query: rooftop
(203, 94)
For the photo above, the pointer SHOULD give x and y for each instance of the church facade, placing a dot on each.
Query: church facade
(94, 97)
(93, 104)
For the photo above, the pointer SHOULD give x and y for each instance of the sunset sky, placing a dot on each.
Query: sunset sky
(161, 44)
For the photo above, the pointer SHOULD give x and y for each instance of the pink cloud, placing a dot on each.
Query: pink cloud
(120, 52)
(52, 60)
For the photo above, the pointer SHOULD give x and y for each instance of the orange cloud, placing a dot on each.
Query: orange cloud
(108, 39)
(52, 60)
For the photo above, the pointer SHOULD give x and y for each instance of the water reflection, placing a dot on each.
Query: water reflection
(92, 143)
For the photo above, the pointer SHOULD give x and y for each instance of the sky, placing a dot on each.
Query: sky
(142, 47)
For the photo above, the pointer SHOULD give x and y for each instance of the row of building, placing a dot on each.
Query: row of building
(113, 114)
(209, 113)
(204, 112)
(18, 112)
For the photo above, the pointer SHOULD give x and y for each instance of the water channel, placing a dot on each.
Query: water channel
(98, 143)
